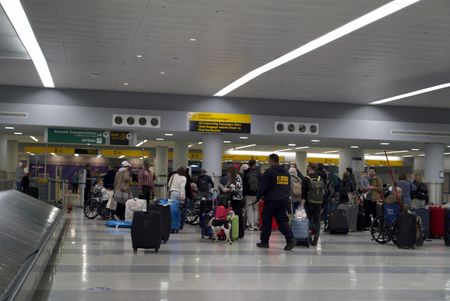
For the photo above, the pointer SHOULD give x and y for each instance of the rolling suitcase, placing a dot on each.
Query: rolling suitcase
(175, 214)
(166, 223)
(437, 222)
(424, 215)
(235, 228)
(352, 216)
(407, 235)
(204, 224)
(337, 222)
(447, 227)
(146, 230)
(300, 228)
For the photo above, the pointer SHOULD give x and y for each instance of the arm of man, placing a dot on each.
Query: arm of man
(263, 186)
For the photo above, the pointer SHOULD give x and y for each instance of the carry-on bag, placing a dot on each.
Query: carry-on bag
(235, 228)
(437, 222)
(205, 218)
(407, 234)
(337, 222)
(166, 223)
(146, 230)
(300, 227)
(175, 213)
(352, 216)
(447, 227)
(424, 214)
(133, 205)
(261, 209)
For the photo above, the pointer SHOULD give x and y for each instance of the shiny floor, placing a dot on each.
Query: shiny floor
(97, 263)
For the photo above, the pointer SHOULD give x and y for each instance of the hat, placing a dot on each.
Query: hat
(125, 164)
(244, 167)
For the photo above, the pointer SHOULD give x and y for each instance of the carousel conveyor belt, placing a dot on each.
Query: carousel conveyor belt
(29, 232)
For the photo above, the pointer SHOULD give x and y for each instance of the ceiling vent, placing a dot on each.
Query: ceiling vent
(296, 128)
(14, 114)
(419, 133)
(136, 121)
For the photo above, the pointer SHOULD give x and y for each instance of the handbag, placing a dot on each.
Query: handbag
(111, 205)
(122, 197)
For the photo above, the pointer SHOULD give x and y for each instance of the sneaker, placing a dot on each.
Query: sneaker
(314, 241)
(262, 245)
(290, 245)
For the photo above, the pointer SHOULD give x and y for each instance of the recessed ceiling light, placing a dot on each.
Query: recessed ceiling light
(192, 39)
(200, 143)
(18, 133)
(31, 154)
(243, 138)
(94, 75)
(407, 156)
(227, 141)
(354, 146)
(446, 154)
(384, 143)
(159, 139)
(162, 72)
(422, 155)
(337, 33)
(168, 134)
(139, 56)
(88, 144)
(302, 147)
(34, 138)
(190, 145)
(315, 141)
(245, 146)
(282, 150)
(125, 84)
(415, 149)
(9, 128)
(53, 154)
(19, 20)
(76, 155)
(410, 94)
(121, 157)
(292, 144)
(331, 152)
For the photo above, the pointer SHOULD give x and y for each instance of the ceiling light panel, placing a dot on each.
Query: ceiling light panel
(411, 94)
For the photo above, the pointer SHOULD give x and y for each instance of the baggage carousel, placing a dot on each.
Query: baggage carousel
(29, 232)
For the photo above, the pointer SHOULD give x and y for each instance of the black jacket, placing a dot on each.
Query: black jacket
(275, 185)
(246, 181)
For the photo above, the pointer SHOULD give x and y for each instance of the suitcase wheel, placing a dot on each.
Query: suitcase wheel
(135, 250)
(165, 241)
(156, 250)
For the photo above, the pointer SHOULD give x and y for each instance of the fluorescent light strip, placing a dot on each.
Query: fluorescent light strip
(245, 146)
(331, 152)
(227, 142)
(292, 144)
(410, 94)
(9, 128)
(18, 133)
(168, 134)
(121, 157)
(34, 138)
(141, 143)
(159, 139)
(446, 154)
(190, 145)
(19, 20)
(384, 143)
(283, 150)
(354, 146)
(302, 147)
(356, 24)
(76, 155)
(393, 152)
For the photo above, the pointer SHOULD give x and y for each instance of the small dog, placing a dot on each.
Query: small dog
(217, 225)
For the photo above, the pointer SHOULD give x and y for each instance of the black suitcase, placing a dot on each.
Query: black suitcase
(146, 230)
(32, 191)
(447, 227)
(166, 222)
(407, 230)
(337, 222)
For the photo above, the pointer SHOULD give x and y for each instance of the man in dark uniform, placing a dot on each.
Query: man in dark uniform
(274, 189)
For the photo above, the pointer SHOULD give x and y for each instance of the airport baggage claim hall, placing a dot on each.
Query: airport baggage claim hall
(145, 145)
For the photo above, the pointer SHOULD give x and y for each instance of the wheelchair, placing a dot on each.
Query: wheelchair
(384, 227)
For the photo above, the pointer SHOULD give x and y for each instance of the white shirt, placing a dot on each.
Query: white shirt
(178, 183)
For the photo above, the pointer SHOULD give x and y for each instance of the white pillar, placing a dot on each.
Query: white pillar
(212, 155)
(13, 155)
(161, 164)
(180, 154)
(434, 171)
(301, 161)
(353, 158)
(3, 156)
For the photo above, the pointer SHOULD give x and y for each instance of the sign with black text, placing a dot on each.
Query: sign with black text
(219, 122)
(120, 138)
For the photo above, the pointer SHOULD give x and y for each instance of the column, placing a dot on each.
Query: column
(180, 154)
(161, 164)
(434, 171)
(212, 155)
(3, 157)
(13, 155)
(301, 161)
(353, 158)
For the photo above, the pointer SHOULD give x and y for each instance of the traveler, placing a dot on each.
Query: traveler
(251, 178)
(145, 181)
(314, 200)
(88, 185)
(274, 189)
(237, 198)
(299, 173)
(394, 197)
(420, 197)
(321, 172)
(20, 172)
(332, 191)
(75, 182)
(122, 182)
(296, 190)
(347, 189)
(108, 179)
(187, 188)
(364, 182)
(352, 177)
(204, 184)
(177, 185)
(408, 189)
(25, 183)
(373, 195)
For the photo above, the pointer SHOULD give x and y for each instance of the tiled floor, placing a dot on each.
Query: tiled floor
(97, 263)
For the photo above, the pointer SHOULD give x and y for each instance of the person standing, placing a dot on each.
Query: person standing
(236, 186)
(373, 195)
(347, 189)
(20, 173)
(145, 181)
(314, 199)
(296, 190)
(88, 186)
(274, 189)
(407, 188)
(122, 189)
(352, 177)
(25, 183)
(204, 184)
(420, 196)
(177, 184)
(75, 182)
(108, 179)
(251, 179)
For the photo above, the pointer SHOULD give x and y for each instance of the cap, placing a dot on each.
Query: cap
(125, 164)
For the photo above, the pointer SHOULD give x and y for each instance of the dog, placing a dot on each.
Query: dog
(218, 225)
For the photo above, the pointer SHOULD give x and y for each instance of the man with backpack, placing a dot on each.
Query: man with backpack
(204, 184)
(251, 178)
(314, 200)
(296, 190)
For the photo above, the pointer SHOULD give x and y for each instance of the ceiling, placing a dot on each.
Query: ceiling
(93, 44)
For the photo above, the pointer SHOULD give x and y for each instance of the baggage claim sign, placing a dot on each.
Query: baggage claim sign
(205, 122)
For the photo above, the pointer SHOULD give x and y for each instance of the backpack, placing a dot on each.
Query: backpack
(316, 190)
(253, 180)
(203, 184)
(334, 185)
(296, 187)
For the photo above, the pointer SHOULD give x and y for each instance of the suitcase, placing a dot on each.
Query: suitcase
(261, 208)
(447, 227)
(337, 222)
(424, 215)
(235, 228)
(437, 222)
(407, 235)
(32, 191)
(175, 214)
(352, 216)
(300, 228)
(118, 224)
(204, 221)
(146, 230)
(166, 223)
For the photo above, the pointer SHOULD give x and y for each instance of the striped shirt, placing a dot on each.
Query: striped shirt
(145, 178)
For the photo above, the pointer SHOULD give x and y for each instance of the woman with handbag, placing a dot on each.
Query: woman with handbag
(122, 189)
(237, 198)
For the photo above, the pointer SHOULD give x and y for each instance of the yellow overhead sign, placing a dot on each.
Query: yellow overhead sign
(71, 151)
(208, 122)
